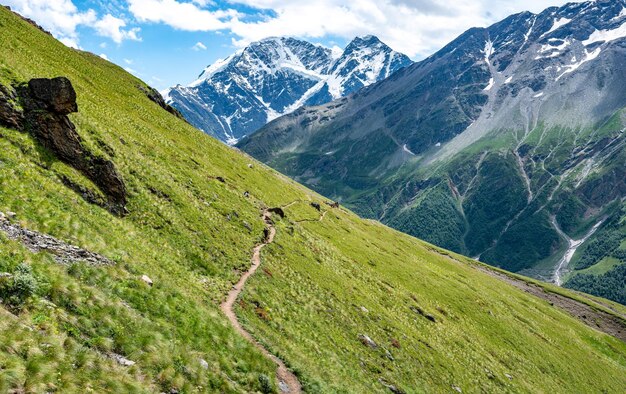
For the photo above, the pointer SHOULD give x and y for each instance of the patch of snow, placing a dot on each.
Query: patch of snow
(558, 23)
(488, 51)
(438, 144)
(214, 68)
(336, 52)
(508, 80)
(490, 85)
(404, 148)
(589, 56)
(553, 50)
(527, 35)
(606, 35)
(538, 95)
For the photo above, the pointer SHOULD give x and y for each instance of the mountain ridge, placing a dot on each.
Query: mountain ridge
(237, 95)
(500, 130)
(350, 305)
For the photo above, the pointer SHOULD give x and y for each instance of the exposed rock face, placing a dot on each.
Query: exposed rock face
(55, 95)
(46, 104)
(63, 252)
(155, 96)
(8, 115)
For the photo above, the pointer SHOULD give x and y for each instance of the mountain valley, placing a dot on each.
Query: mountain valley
(140, 255)
(506, 145)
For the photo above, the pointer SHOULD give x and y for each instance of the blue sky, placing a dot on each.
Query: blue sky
(165, 42)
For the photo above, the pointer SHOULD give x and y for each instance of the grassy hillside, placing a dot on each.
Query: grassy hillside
(437, 323)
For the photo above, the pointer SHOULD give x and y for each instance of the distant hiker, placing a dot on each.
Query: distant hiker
(246, 194)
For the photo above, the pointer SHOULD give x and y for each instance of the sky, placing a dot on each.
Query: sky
(166, 42)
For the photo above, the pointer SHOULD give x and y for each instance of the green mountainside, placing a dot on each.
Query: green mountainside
(507, 145)
(349, 304)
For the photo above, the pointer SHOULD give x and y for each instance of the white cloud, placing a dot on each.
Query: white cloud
(104, 56)
(128, 61)
(182, 16)
(60, 17)
(415, 27)
(199, 46)
(112, 27)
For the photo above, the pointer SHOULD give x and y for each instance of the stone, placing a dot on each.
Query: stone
(316, 206)
(367, 341)
(47, 102)
(250, 165)
(55, 95)
(121, 360)
(278, 211)
(62, 253)
(390, 386)
(204, 364)
(147, 280)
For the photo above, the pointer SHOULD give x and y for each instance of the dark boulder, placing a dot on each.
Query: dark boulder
(56, 95)
(316, 206)
(278, 211)
(46, 104)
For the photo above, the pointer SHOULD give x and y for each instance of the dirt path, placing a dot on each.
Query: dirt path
(322, 215)
(593, 317)
(287, 381)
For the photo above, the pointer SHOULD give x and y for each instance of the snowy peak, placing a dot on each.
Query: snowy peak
(364, 61)
(235, 96)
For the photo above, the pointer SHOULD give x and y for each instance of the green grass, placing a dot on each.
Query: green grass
(193, 236)
(475, 342)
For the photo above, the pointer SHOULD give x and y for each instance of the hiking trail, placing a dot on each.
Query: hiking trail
(287, 381)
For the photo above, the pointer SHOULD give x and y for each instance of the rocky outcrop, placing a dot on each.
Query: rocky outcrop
(46, 104)
(63, 252)
(156, 97)
(9, 117)
(32, 22)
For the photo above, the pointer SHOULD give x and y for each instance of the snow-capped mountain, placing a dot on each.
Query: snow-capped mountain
(509, 137)
(236, 96)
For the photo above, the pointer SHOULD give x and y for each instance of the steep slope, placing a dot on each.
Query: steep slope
(508, 144)
(236, 96)
(349, 305)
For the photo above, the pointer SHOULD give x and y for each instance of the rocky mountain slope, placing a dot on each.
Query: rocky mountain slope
(506, 145)
(236, 96)
(129, 300)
